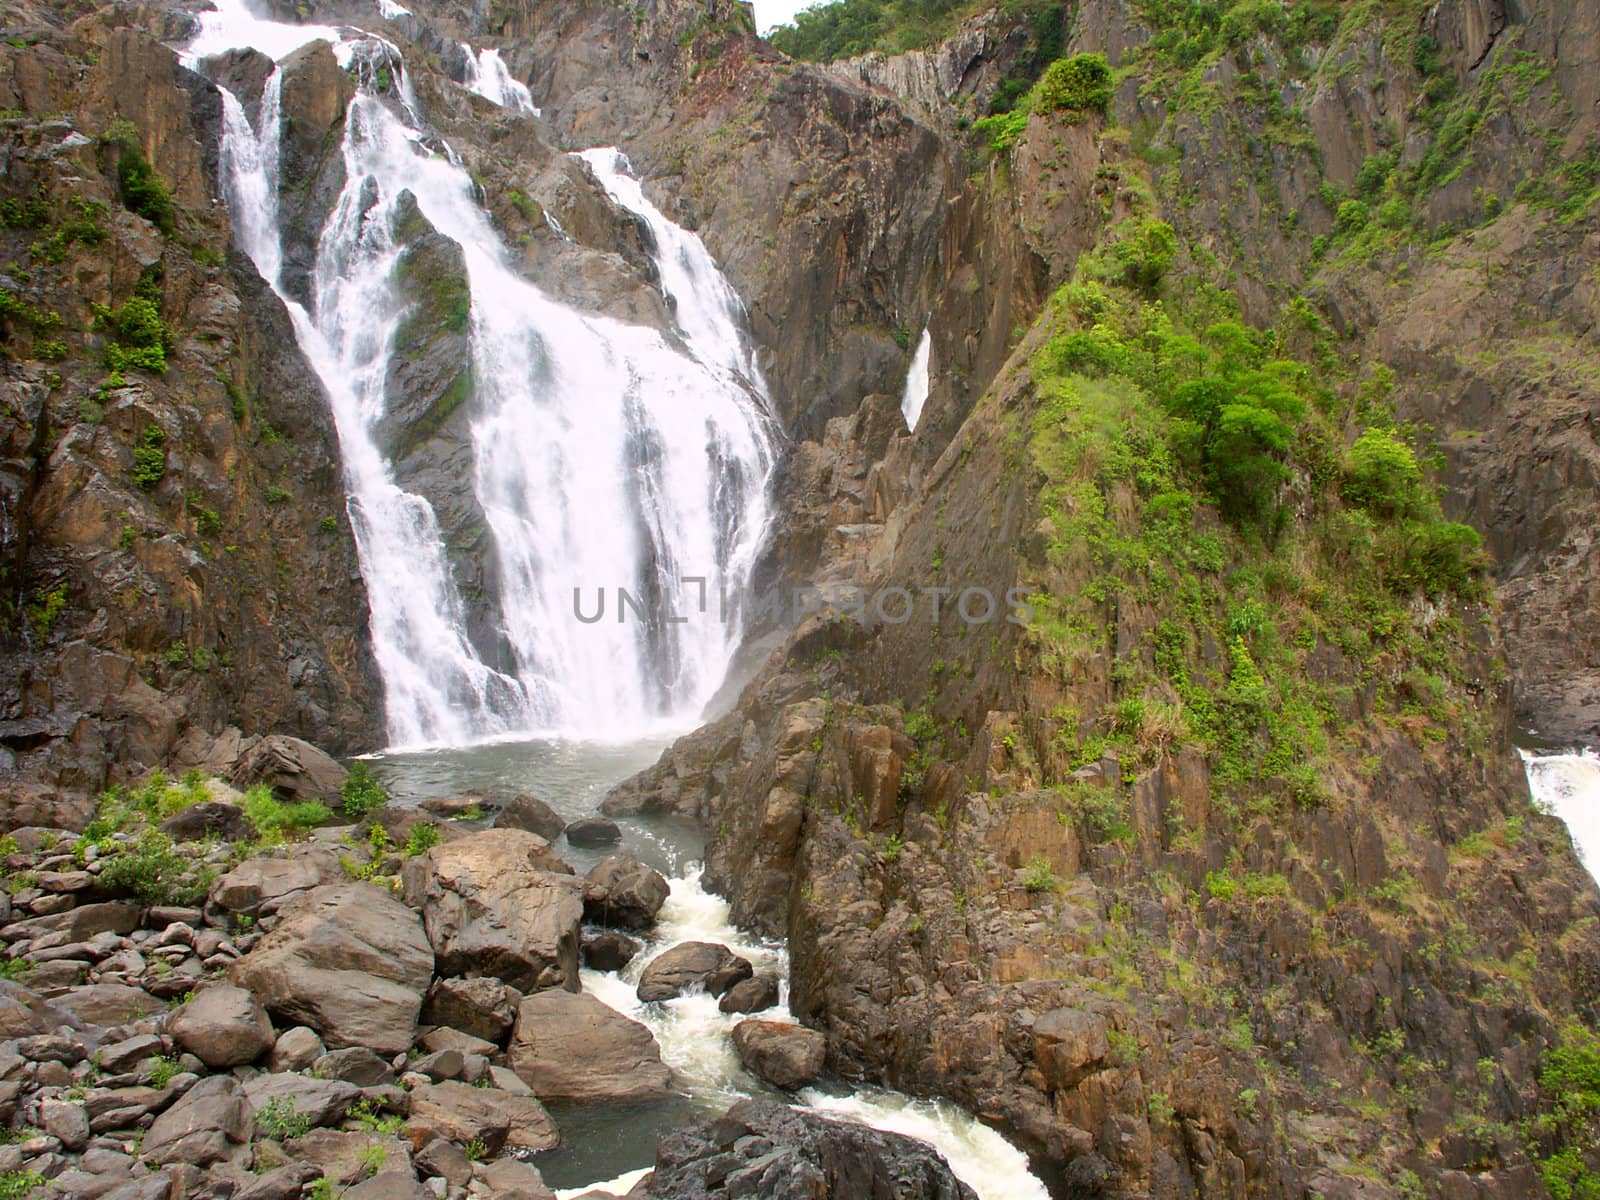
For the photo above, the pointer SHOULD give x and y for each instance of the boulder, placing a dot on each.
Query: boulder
(284, 1183)
(356, 1065)
(261, 883)
(591, 832)
(223, 1027)
(756, 994)
(571, 1046)
(499, 902)
(533, 815)
(293, 769)
(779, 1153)
(692, 964)
(296, 1049)
(461, 1113)
(320, 1101)
(623, 892)
(99, 1005)
(350, 961)
(442, 1159)
(511, 1179)
(610, 951)
(454, 808)
(208, 819)
(68, 1123)
(210, 1124)
(785, 1055)
(485, 1008)
(345, 1156)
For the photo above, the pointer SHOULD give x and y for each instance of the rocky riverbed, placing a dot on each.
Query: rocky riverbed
(300, 989)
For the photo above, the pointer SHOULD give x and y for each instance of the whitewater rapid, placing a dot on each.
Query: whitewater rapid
(1568, 785)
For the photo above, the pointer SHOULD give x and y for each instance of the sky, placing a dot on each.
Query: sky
(778, 12)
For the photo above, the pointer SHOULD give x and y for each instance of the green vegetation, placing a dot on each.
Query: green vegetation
(138, 336)
(275, 820)
(1569, 1083)
(44, 608)
(1074, 87)
(1038, 876)
(150, 459)
(143, 191)
(21, 1185)
(84, 229)
(281, 1121)
(152, 870)
(162, 1070)
(423, 837)
(361, 793)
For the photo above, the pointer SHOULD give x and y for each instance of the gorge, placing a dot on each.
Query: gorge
(453, 389)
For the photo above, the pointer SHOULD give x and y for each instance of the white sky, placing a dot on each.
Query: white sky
(779, 12)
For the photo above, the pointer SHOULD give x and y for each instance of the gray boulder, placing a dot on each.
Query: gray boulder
(533, 815)
(210, 1124)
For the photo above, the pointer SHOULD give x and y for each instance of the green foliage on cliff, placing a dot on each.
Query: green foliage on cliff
(1569, 1080)
(143, 191)
(1074, 87)
(825, 32)
(139, 337)
(150, 459)
(1198, 471)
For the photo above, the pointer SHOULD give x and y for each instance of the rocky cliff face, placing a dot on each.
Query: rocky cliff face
(177, 558)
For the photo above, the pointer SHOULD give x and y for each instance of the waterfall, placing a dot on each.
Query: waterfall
(916, 390)
(1568, 785)
(488, 76)
(607, 458)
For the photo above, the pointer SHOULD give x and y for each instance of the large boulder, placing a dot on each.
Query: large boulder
(623, 892)
(533, 815)
(570, 1046)
(264, 883)
(223, 1026)
(778, 1153)
(319, 1101)
(785, 1055)
(756, 994)
(484, 1008)
(462, 1114)
(293, 769)
(689, 965)
(209, 818)
(348, 960)
(210, 1124)
(499, 902)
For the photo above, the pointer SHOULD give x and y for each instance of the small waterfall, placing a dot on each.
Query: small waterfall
(489, 77)
(916, 390)
(1568, 785)
(607, 458)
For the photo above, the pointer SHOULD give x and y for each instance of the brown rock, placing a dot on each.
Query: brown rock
(623, 892)
(223, 1027)
(533, 815)
(692, 964)
(461, 1113)
(751, 995)
(785, 1055)
(295, 770)
(569, 1046)
(482, 1007)
(210, 1124)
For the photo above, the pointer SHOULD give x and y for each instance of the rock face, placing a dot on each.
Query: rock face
(500, 903)
(623, 892)
(779, 1153)
(498, 1118)
(690, 965)
(574, 1048)
(347, 960)
(785, 1055)
(222, 1027)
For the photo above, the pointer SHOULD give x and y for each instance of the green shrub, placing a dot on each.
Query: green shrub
(1002, 129)
(143, 191)
(44, 608)
(280, 1120)
(424, 837)
(1352, 217)
(1381, 476)
(361, 793)
(155, 873)
(150, 459)
(1146, 253)
(275, 819)
(21, 1185)
(1443, 558)
(139, 337)
(1075, 87)
(1038, 876)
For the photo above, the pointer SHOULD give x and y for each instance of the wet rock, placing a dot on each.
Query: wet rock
(785, 1055)
(482, 1007)
(591, 832)
(756, 994)
(295, 770)
(499, 903)
(780, 1153)
(348, 960)
(571, 1046)
(223, 1027)
(623, 892)
(462, 1114)
(454, 808)
(210, 1124)
(610, 951)
(689, 965)
(532, 814)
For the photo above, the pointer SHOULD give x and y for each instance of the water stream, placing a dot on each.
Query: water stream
(915, 394)
(1568, 785)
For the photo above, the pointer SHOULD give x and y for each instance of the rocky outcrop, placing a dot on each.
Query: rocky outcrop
(571, 1047)
(499, 902)
(532, 814)
(766, 1149)
(347, 960)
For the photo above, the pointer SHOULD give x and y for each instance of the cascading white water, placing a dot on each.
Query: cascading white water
(488, 76)
(694, 1038)
(607, 460)
(1568, 785)
(915, 394)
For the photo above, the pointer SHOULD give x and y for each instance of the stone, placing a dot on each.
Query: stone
(756, 994)
(389, 1185)
(348, 960)
(440, 1065)
(210, 1124)
(1069, 1044)
(499, 902)
(296, 1049)
(623, 892)
(442, 1037)
(295, 770)
(591, 832)
(689, 965)
(510, 1179)
(480, 1006)
(779, 1153)
(356, 1065)
(68, 1123)
(533, 815)
(442, 1159)
(454, 808)
(284, 1183)
(610, 951)
(208, 819)
(259, 882)
(571, 1046)
(103, 1004)
(785, 1055)
(345, 1156)
(128, 1053)
(462, 1114)
(321, 1101)
(223, 1026)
